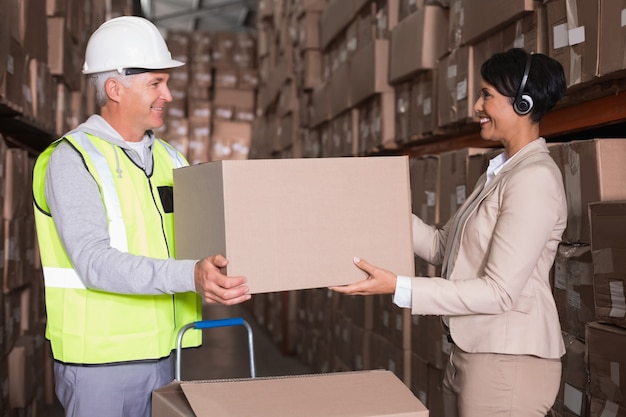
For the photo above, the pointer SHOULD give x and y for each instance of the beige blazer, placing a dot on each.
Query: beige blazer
(496, 254)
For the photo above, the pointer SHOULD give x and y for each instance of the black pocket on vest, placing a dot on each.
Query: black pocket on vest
(167, 198)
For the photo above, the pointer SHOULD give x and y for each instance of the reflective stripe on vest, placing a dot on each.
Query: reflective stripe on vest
(117, 229)
(62, 278)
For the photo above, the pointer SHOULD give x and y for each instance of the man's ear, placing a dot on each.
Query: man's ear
(112, 88)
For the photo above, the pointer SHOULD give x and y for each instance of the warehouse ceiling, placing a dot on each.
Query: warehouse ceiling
(191, 15)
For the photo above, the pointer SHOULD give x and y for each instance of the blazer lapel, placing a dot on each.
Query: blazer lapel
(480, 192)
(459, 219)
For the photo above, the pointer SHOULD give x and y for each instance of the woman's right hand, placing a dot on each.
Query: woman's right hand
(378, 281)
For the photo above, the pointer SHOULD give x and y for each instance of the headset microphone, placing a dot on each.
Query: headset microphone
(523, 103)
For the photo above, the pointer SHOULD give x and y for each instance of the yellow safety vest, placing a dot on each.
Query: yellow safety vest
(88, 326)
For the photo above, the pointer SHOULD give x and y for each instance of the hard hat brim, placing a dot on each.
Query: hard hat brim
(172, 63)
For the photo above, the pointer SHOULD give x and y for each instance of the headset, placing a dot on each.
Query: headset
(523, 103)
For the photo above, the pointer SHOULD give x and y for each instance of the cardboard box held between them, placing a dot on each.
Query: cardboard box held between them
(289, 224)
(360, 393)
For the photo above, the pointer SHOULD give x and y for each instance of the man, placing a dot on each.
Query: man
(115, 295)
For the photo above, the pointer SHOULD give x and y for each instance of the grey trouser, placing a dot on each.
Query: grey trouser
(121, 390)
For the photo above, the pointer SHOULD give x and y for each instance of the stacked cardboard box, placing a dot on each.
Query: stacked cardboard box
(290, 69)
(214, 95)
(69, 97)
(41, 50)
(606, 335)
(176, 127)
(586, 278)
(307, 54)
(24, 353)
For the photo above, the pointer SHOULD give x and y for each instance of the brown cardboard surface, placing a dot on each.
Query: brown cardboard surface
(343, 130)
(452, 182)
(592, 171)
(371, 69)
(403, 108)
(573, 38)
(22, 372)
(311, 71)
(14, 254)
(609, 268)
(608, 224)
(340, 93)
(612, 42)
(309, 31)
(425, 187)
(501, 13)
(606, 358)
(417, 42)
(526, 32)
(457, 91)
(362, 393)
(598, 406)
(16, 181)
(230, 140)
(336, 15)
(423, 105)
(573, 288)
(290, 224)
(572, 399)
(14, 75)
(5, 17)
(243, 99)
(320, 105)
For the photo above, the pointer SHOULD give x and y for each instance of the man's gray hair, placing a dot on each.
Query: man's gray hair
(99, 79)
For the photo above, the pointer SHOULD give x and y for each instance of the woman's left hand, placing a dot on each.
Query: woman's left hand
(379, 281)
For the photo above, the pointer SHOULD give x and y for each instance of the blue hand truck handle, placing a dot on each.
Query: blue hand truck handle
(212, 324)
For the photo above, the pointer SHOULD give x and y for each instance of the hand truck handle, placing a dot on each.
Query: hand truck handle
(211, 324)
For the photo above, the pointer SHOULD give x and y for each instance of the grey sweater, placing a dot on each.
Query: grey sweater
(79, 215)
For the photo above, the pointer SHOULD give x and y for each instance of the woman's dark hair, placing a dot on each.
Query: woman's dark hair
(546, 79)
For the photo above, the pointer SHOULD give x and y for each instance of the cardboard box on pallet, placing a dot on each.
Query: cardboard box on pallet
(606, 361)
(592, 171)
(572, 397)
(362, 393)
(573, 288)
(291, 224)
(608, 226)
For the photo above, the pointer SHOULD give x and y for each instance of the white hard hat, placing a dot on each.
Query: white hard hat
(127, 42)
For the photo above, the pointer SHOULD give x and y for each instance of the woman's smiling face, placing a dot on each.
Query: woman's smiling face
(497, 116)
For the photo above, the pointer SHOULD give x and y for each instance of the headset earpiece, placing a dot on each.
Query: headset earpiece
(523, 103)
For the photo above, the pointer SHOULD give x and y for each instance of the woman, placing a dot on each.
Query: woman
(496, 253)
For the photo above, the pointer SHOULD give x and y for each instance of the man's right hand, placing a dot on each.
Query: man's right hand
(215, 287)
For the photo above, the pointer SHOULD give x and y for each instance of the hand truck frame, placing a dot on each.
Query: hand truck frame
(212, 324)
